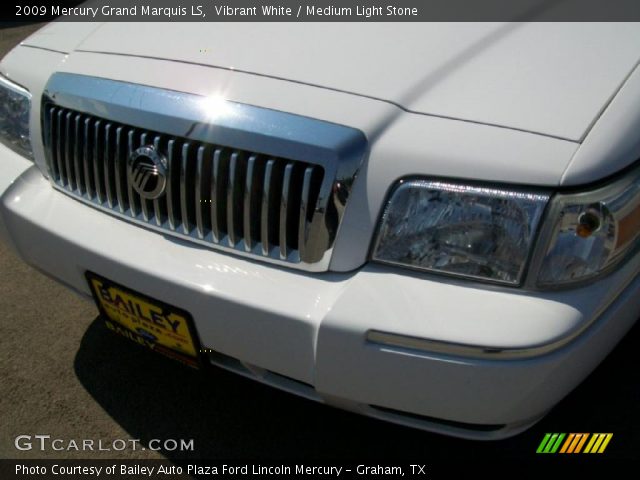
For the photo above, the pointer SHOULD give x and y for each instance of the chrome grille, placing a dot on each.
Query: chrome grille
(217, 195)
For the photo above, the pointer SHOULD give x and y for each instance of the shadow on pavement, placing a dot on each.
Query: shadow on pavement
(230, 417)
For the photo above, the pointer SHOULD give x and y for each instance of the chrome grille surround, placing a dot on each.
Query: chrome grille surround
(256, 182)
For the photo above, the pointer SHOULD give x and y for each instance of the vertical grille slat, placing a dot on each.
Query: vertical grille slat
(132, 194)
(120, 171)
(157, 208)
(250, 195)
(97, 159)
(68, 152)
(201, 200)
(171, 181)
(60, 149)
(184, 199)
(144, 203)
(77, 156)
(265, 218)
(86, 159)
(232, 195)
(304, 206)
(109, 177)
(217, 195)
(284, 207)
(50, 143)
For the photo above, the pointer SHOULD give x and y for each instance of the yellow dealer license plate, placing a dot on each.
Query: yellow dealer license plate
(148, 322)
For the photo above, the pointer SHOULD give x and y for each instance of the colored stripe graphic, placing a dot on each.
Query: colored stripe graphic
(608, 438)
(598, 442)
(574, 443)
(578, 437)
(583, 439)
(550, 443)
(567, 443)
(543, 443)
(556, 445)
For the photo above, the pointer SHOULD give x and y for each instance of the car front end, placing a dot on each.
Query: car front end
(459, 271)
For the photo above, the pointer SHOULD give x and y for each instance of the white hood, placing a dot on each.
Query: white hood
(549, 78)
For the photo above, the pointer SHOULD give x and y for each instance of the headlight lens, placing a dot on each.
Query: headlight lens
(15, 107)
(461, 230)
(591, 232)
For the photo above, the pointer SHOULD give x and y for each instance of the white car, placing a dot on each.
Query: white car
(437, 225)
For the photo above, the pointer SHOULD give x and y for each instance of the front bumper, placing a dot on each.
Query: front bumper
(504, 357)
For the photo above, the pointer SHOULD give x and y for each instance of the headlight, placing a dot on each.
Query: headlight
(590, 232)
(461, 230)
(15, 107)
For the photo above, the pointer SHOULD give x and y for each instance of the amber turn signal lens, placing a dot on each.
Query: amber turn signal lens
(589, 222)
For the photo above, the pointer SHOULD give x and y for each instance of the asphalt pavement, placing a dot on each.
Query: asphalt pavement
(63, 374)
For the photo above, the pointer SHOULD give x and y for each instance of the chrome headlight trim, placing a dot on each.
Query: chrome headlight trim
(612, 207)
(606, 216)
(496, 225)
(15, 112)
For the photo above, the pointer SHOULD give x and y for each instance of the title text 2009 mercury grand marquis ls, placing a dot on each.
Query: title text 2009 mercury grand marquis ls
(432, 224)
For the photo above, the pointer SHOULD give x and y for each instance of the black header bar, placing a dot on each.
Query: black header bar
(322, 11)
